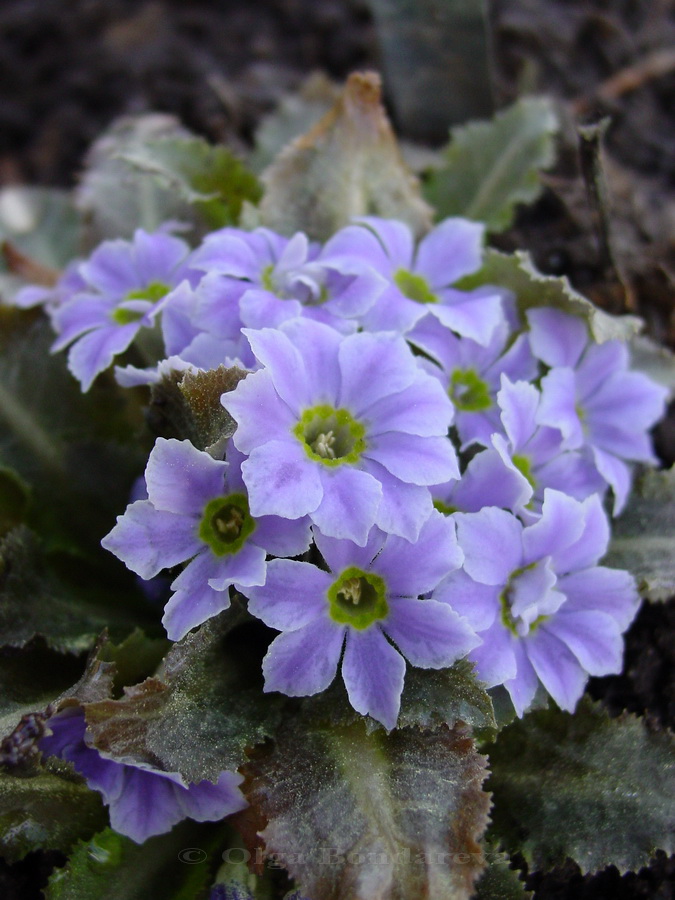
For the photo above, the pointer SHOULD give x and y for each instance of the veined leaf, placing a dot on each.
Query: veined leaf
(59, 441)
(146, 170)
(599, 790)
(48, 811)
(644, 536)
(354, 815)
(430, 698)
(174, 866)
(347, 165)
(196, 717)
(41, 223)
(532, 289)
(498, 881)
(492, 166)
(69, 610)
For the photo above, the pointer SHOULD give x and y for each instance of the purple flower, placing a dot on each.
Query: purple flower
(143, 801)
(471, 373)
(125, 285)
(264, 279)
(347, 430)
(369, 594)
(544, 608)
(421, 278)
(593, 398)
(536, 452)
(69, 283)
(197, 510)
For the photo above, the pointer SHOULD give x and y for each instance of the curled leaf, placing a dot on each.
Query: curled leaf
(347, 165)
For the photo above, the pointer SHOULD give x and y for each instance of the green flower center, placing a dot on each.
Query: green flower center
(226, 524)
(266, 279)
(468, 391)
(524, 466)
(330, 436)
(414, 287)
(358, 599)
(508, 619)
(445, 508)
(152, 292)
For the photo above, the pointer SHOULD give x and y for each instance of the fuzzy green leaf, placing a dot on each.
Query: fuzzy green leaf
(209, 178)
(498, 881)
(354, 815)
(112, 867)
(49, 810)
(598, 790)
(644, 536)
(186, 405)
(198, 716)
(492, 166)
(56, 597)
(59, 441)
(347, 165)
(532, 289)
(148, 169)
(14, 495)
(430, 698)
(40, 222)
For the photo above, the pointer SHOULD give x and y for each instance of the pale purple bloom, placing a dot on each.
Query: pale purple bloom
(421, 278)
(544, 608)
(143, 801)
(125, 285)
(346, 430)
(471, 373)
(369, 598)
(197, 510)
(260, 279)
(593, 398)
(69, 283)
(537, 453)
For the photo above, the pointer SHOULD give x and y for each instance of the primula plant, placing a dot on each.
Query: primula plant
(307, 502)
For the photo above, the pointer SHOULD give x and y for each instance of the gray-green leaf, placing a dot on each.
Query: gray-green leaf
(598, 790)
(354, 815)
(643, 538)
(532, 289)
(492, 166)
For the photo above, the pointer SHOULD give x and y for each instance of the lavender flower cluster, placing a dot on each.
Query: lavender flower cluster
(371, 369)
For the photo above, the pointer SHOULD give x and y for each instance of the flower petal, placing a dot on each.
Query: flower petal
(349, 505)
(429, 634)
(453, 249)
(293, 596)
(557, 668)
(416, 460)
(304, 662)
(182, 479)
(373, 672)
(492, 544)
(282, 481)
(148, 540)
(259, 412)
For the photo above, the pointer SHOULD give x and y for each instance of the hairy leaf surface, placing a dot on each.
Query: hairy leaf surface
(198, 715)
(643, 537)
(492, 166)
(354, 815)
(347, 165)
(599, 790)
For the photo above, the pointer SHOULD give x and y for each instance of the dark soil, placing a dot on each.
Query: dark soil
(69, 67)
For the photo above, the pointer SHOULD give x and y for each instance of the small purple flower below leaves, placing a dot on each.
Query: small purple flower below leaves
(143, 801)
